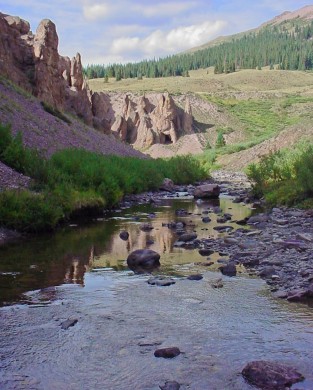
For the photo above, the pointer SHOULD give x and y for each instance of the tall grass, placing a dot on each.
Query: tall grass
(285, 176)
(76, 181)
(261, 118)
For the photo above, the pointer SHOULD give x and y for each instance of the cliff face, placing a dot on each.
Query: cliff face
(32, 61)
(142, 120)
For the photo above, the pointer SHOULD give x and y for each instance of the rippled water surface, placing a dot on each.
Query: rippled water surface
(80, 273)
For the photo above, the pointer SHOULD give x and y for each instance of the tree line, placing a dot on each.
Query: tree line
(288, 45)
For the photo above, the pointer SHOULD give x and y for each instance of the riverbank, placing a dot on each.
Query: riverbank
(275, 245)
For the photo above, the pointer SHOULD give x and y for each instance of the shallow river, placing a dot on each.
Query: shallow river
(80, 273)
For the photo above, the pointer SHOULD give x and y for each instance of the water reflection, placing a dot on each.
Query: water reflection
(66, 256)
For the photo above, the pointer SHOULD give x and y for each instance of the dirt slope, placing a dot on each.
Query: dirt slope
(48, 133)
(287, 138)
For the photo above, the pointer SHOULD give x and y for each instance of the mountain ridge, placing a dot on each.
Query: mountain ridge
(305, 13)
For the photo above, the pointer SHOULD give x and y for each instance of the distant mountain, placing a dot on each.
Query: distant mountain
(304, 15)
(285, 41)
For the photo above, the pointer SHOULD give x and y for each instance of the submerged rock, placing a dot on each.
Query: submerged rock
(161, 281)
(124, 235)
(170, 385)
(146, 227)
(167, 353)
(271, 375)
(195, 277)
(68, 323)
(218, 283)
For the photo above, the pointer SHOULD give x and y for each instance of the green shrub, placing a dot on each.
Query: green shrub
(76, 181)
(5, 137)
(220, 141)
(304, 170)
(26, 211)
(284, 177)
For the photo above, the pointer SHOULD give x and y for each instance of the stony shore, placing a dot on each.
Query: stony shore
(276, 245)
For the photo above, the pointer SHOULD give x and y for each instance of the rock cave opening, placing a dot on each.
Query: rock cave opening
(167, 139)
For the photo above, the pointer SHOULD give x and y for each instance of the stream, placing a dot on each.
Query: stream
(80, 273)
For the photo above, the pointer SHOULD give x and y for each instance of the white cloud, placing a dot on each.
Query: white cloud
(96, 11)
(165, 9)
(159, 42)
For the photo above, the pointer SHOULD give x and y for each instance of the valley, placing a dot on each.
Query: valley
(156, 232)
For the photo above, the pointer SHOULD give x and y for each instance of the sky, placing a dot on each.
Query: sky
(123, 31)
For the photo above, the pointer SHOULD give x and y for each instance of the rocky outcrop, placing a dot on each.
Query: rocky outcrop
(143, 120)
(32, 61)
(188, 119)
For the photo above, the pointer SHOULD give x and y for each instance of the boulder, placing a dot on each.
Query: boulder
(170, 385)
(68, 323)
(271, 375)
(229, 269)
(143, 260)
(267, 272)
(186, 237)
(207, 191)
(206, 252)
(167, 353)
(167, 185)
(124, 235)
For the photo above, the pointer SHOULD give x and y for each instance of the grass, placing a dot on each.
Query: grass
(77, 182)
(253, 106)
(205, 81)
(55, 112)
(285, 177)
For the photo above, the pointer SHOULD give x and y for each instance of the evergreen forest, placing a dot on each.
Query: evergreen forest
(289, 46)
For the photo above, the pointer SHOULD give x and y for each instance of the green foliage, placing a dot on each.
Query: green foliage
(5, 138)
(76, 182)
(55, 112)
(26, 211)
(261, 119)
(285, 176)
(220, 141)
(14, 154)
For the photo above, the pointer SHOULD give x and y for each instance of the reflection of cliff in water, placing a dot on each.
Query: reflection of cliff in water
(66, 256)
(45, 261)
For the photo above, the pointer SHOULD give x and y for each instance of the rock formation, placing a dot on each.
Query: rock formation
(143, 120)
(32, 61)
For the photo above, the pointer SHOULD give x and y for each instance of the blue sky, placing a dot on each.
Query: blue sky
(121, 30)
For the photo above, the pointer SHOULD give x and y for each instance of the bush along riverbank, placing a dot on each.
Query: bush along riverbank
(285, 177)
(77, 182)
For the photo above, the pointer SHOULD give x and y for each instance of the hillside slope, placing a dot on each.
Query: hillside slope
(48, 133)
(305, 14)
